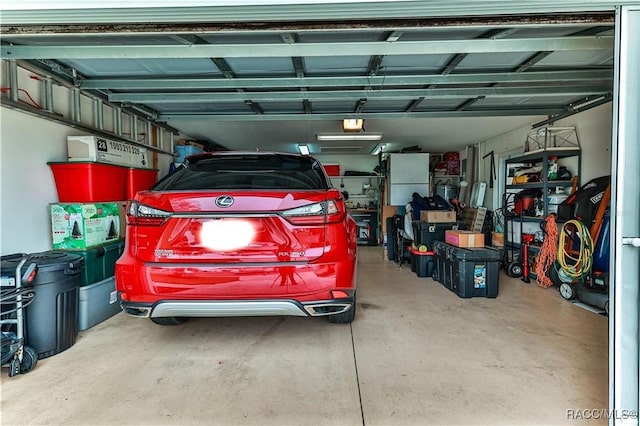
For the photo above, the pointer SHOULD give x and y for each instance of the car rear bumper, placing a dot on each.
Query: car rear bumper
(236, 308)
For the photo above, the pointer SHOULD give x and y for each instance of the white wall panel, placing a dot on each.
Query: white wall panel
(27, 143)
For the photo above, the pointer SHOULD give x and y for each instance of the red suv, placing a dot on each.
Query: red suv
(239, 234)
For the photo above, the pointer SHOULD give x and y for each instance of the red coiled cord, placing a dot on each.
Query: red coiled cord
(548, 252)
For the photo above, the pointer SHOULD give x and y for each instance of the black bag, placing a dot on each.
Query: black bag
(585, 202)
(419, 203)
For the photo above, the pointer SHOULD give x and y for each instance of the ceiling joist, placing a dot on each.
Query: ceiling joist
(486, 112)
(360, 95)
(331, 49)
(185, 83)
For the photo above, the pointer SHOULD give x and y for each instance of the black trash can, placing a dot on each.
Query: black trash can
(51, 320)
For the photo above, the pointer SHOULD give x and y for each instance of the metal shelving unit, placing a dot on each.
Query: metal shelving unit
(537, 158)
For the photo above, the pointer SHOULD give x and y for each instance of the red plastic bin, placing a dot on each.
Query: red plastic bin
(139, 180)
(89, 182)
(332, 169)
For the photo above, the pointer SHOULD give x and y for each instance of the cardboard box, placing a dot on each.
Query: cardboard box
(438, 216)
(183, 142)
(79, 226)
(497, 239)
(474, 218)
(122, 213)
(387, 211)
(103, 150)
(464, 238)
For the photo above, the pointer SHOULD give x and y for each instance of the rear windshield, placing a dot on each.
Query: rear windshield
(246, 171)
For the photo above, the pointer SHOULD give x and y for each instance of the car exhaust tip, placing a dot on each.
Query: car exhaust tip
(321, 309)
(137, 312)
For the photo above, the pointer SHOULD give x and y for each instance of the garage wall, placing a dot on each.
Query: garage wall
(27, 144)
(594, 131)
(27, 187)
(359, 163)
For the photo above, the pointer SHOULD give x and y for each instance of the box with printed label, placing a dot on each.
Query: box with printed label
(103, 150)
(464, 238)
(474, 218)
(77, 226)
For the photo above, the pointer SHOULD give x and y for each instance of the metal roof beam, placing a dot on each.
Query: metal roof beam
(436, 47)
(254, 107)
(487, 112)
(469, 102)
(360, 96)
(117, 11)
(341, 81)
(531, 61)
(224, 68)
(308, 109)
(414, 104)
(453, 62)
(298, 66)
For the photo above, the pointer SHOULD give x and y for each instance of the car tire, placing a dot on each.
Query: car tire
(168, 320)
(345, 317)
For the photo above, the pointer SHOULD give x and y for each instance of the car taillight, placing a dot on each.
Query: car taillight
(142, 215)
(316, 214)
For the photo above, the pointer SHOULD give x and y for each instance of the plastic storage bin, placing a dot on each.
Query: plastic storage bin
(332, 169)
(424, 263)
(139, 180)
(97, 302)
(412, 259)
(89, 182)
(468, 272)
(439, 247)
(99, 262)
(184, 151)
(425, 233)
(51, 320)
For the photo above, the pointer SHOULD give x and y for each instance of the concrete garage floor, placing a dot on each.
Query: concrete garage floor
(422, 356)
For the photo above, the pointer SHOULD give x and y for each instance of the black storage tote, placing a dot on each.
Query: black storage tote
(425, 233)
(468, 272)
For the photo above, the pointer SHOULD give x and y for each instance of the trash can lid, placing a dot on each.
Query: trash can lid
(52, 260)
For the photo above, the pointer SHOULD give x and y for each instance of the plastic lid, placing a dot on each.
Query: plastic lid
(51, 260)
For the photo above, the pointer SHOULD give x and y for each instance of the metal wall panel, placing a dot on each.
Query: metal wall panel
(624, 362)
(112, 11)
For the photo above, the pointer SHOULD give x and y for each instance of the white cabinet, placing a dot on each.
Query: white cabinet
(408, 173)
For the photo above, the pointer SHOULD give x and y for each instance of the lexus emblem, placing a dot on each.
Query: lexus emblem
(224, 201)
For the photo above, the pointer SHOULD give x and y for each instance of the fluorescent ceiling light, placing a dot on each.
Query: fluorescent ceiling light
(349, 137)
(378, 149)
(352, 124)
(304, 149)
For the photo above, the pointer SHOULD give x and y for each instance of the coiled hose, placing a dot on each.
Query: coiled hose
(575, 266)
(9, 298)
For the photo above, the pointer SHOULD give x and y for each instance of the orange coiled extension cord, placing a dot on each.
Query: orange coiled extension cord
(548, 252)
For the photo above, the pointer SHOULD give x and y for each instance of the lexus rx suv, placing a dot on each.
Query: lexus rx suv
(239, 234)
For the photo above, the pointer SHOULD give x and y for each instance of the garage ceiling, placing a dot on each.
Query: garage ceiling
(275, 84)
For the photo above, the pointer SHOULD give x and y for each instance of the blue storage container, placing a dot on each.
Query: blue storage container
(184, 151)
(601, 250)
(97, 302)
